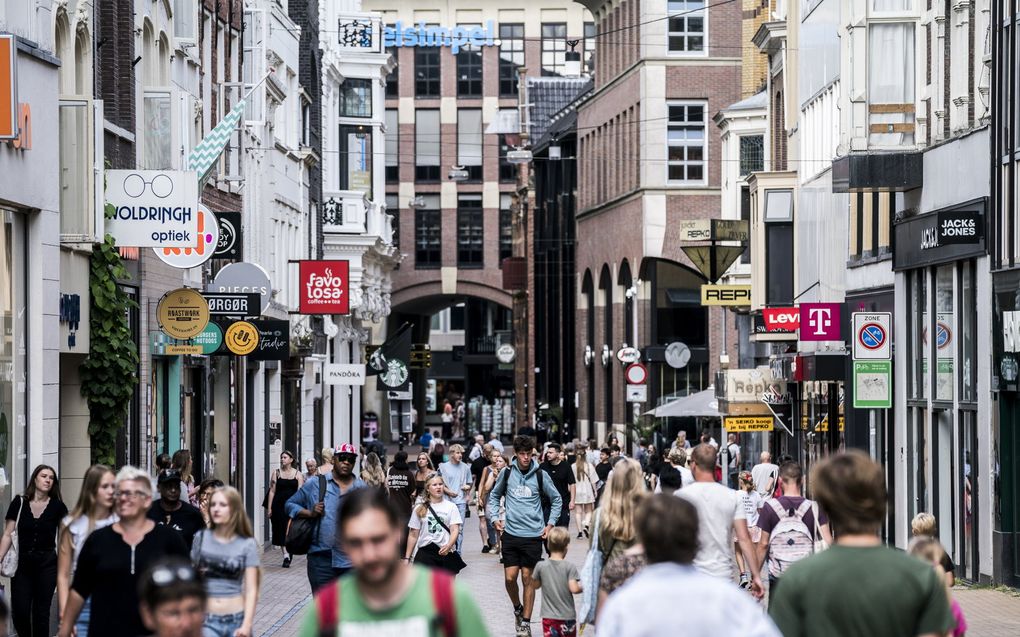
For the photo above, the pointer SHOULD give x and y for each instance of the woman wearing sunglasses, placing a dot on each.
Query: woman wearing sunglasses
(435, 525)
(172, 599)
(228, 558)
(113, 559)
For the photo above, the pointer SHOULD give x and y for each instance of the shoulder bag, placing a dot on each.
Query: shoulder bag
(9, 565)
(301, 532)
(454, 561)
(591, 573)
(818, 542)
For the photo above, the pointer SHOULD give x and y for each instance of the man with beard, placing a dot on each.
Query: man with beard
(387, 595)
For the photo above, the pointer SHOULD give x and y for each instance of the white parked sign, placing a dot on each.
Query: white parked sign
(872, 336)
(637, 393)
(341, 374)
(153, 208)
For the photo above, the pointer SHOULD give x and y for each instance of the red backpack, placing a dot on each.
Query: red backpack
(327, 605)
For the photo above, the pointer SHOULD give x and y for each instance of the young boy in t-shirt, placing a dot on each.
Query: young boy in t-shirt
(559, 581)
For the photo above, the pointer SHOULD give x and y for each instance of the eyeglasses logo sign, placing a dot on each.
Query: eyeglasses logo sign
(153, 208)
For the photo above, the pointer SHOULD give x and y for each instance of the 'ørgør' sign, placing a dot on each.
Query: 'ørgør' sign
(324, 287)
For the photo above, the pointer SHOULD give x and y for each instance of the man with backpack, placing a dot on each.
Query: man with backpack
(387, 595)
(525, 487)
(788, 525)
(320, 500)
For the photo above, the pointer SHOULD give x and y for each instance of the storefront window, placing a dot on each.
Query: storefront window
(945, 309)
(968, 333)
(12, 359)
(918, 334)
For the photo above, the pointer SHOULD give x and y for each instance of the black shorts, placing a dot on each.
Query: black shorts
(521, 551)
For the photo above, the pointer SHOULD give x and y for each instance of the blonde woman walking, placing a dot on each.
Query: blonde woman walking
(93, 511)
(624, 491)
(228, 558)
(435, 525)
(372, 472)
(584, 496)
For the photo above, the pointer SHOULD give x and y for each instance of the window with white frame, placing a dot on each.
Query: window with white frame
(554, 48)
(469, 141)
(186, 21)
(685, 138)
(686, 27)
(891, 80)
(752, 154)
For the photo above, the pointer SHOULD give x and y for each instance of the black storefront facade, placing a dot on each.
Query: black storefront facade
(941, 413)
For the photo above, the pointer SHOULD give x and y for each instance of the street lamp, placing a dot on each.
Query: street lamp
(519, 156)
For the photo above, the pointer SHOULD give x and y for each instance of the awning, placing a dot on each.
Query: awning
(701, 404)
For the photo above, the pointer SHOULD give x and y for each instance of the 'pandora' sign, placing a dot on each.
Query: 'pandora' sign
(324, 287)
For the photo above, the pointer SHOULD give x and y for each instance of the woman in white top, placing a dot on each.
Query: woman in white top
(434, 526)
(585, 479)
(751, 501)
(93, 511)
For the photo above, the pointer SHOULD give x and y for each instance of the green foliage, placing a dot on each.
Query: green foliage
(109, 374)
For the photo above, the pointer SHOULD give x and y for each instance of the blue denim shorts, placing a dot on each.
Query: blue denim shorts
(222, 625)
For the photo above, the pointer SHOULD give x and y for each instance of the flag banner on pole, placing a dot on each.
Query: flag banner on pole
(208, 150)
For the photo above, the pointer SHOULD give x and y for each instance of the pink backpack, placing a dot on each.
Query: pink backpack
(791, 539)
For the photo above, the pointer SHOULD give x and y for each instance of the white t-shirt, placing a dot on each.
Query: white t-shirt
(643, 606)
(497, 444)
(430, 531)
(751, 501)
(717, 507)
(79, 530)
(762, 474)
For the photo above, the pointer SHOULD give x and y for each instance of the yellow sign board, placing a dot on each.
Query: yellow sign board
(824, 424)
(743, 424)
(177, 350)
(241, 338)
(727, 295)
(182, 313)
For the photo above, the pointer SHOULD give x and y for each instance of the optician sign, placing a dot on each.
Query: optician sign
(423, 35)
(207, 238)
(153, 208)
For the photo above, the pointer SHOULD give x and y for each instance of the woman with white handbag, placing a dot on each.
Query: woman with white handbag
(28, 551)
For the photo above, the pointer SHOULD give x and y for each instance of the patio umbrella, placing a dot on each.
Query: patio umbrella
(700, 404)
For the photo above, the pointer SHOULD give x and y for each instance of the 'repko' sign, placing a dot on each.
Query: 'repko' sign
(324, 287)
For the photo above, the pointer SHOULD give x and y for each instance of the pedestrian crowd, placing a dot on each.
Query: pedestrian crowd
(384, 545)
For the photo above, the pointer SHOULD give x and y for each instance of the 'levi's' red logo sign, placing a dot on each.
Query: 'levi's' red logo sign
(781, 319)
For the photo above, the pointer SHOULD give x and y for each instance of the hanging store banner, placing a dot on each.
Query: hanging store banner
(208, 236)
(244, 277)
(229, 246)
(241, 305)
(820, 322)
(153, 208)
(182, 313)
(210, 340)
(726, 295)
(241, 338)
(324, 287)
(8, 87)
(343, 374)
(746, 424)
(429, 35)
(942, 236)
(274, 340)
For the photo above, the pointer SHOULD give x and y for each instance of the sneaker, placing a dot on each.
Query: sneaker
(286, 562)
(524, 630)
(519, 619)
(745, 580)
(486, 549)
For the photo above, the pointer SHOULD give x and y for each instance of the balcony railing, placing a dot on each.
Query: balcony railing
(489, 343)
(344, 212)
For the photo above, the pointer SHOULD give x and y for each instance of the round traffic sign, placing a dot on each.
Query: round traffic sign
(242, 338)
(636, 374)
(872, 336)
(943, 335)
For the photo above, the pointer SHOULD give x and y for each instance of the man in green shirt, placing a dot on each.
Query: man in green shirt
(385, 594)
(858, 588)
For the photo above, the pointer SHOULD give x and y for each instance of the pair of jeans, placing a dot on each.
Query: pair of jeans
(493, 536)
(81, 626)
(32, 590)
(462, 508)
(321, 570)
(222, 625)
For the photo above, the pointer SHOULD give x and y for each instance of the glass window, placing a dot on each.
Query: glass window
(752, 154)
(428, 225)
(185, 20)
(306, 123)
(686, 140)
(393, 79)
(778, 264)
(511, 55)
(469, 141)
(507, 171)
(891, 83)
(554, 48)
(12, 354)
(506, 230)
(356, 98)
(686, 32)
(469, 69)
(393, 210)
(356, 158)
(426, 145)
(945, 308)
(457, 317)
(392, 146)
(157, 144)
(470, 231)
(745, 215)
(918, 342)
(778, 205)
(74, 167)
(426, 72)
(968, 333)
(590, 31)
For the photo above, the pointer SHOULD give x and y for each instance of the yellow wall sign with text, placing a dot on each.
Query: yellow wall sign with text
(241, 338)
(744, 424)
(726, 295)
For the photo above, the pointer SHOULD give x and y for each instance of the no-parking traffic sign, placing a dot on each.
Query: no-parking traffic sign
(872, 335)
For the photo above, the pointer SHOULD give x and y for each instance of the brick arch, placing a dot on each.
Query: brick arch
(421, 294)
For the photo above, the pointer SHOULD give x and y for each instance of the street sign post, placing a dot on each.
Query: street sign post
(872, 384)
(636, 374)
(637, 393)
(872, 335)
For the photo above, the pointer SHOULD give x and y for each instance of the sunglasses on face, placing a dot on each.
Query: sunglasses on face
(164, 575)
(346, 457)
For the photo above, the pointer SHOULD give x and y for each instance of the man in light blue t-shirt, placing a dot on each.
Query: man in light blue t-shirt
(457, 476)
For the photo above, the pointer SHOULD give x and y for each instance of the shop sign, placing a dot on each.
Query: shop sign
(241, 338)
(747, 424)
(208, 236)
(230, 243)
(745, 385)
(1011, 332)
(153, 208)
(229, 304)
(781, 320)
(939, 237)
(872, 335)
(274, 340)
(726, 295)
(324, 287)
(244, 277)
(873, 384)
(628, 355)
(182, 313)
(506, 353)
(423, 35)
(182, 350)
(209, 340)
(820, 322)
(823, 424)
(637, 393)
(343, 374)
(8, 87)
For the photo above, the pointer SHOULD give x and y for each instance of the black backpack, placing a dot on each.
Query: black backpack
(301, 532)
(546, 502)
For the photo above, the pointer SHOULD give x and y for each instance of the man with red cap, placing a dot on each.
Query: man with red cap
(326, 558)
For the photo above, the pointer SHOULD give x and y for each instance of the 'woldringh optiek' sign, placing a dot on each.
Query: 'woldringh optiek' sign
(153, 208)
(433, 36)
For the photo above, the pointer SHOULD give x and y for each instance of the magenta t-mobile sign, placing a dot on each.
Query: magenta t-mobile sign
(820, 322)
